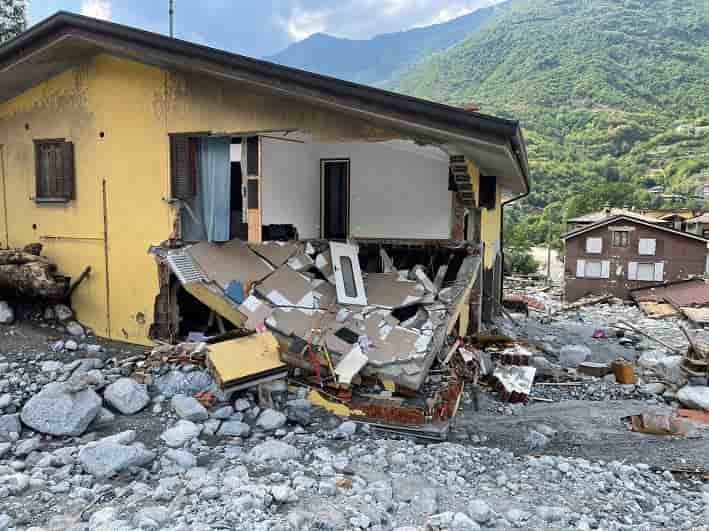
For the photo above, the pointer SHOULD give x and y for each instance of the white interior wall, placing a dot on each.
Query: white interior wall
(291, 186)
(397, 189)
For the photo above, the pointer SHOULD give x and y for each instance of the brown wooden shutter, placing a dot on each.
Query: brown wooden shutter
(66, 184)
(182, 167)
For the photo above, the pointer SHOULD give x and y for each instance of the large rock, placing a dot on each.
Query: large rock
(127, 396)
(105, 460)
(669, 369)
(180, 434)
(694, 396)
(234, 428)
(9, 424)
(57, 411)
(571, 356)
(271, 420)
(273, 451)
(75, 329)
(189, 408)
(62, 312)
(7, 314)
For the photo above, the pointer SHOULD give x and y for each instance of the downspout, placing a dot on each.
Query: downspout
(502, 233)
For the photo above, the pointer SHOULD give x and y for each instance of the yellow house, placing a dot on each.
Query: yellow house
(115, 143)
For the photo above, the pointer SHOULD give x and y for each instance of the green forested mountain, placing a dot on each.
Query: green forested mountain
(613, 96)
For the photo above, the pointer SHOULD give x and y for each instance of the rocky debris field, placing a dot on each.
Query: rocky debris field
(94, 436)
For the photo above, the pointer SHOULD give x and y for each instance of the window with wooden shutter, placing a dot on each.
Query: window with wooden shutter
(54, 171)
(594, 245)
(646, 246)
(184, 165)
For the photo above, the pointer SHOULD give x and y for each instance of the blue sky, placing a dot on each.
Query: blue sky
(263, 27)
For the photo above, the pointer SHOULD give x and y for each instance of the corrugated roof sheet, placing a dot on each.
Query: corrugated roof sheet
(681, 294)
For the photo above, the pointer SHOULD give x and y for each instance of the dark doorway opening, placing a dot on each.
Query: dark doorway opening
(239, 229)
(335, 208)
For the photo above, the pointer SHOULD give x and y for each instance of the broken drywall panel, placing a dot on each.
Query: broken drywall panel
(324, 293)
(256, 311)
(387, 290)
(398, 346)
(323, 262)
(300, 262)
(348, 275)
(287, 289)
(387, 262)
(245, 360)
(292, 323)
(228, 262)
(418, 273)
(350, 365)
(277, 253)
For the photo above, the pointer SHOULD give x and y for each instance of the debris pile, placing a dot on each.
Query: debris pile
(365, 341)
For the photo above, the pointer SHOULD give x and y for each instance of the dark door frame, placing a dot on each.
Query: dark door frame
(322, 193)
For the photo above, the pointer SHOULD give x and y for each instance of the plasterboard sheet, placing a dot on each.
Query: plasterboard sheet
(325, 294)
(285, 288)
(228, 262)
(398, 346)
(323, 262)
(300, 261)
(256, 311)
(386, 290)
(292, 323)
(350, 365)
(277, 253)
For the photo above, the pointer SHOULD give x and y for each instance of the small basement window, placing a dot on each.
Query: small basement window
(54, 171)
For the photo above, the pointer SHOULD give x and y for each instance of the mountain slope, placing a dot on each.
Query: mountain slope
(613, 94)
(375, 60)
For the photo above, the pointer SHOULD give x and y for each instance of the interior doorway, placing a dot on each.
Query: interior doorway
(335, 198)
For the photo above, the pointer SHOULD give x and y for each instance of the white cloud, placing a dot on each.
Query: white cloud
(97, 9)
(360, 19)
(302, 23)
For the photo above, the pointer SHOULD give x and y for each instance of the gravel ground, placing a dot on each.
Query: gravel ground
(304, 469)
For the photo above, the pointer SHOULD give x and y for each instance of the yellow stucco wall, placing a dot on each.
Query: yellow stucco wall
(490, 219)
(135, 107)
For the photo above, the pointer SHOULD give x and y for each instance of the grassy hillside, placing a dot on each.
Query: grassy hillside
(613, 96)
(374, 61)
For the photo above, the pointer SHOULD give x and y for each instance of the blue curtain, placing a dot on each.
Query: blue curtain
(215, 188)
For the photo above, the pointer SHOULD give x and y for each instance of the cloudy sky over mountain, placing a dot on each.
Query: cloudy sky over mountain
(263, 27)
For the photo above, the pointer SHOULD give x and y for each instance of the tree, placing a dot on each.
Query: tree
(13, 18)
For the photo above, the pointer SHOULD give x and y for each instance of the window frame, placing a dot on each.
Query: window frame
(43, 196)
(642, 241)
(652, 275)
(589, 239)
(625, 242)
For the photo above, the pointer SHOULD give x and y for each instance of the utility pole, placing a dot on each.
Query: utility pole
(172, 18)
(549, 255)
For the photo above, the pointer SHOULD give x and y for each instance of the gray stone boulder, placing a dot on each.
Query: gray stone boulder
(127, 396)
(180, 434)
(57, 411)
(234, 428)
(9, 424)
(7, 314)
(106, 459)
(694, 396)
(571, 356)
(75, 329)
(62, 312)
(189, 408)
(270, 420)
(273, 451)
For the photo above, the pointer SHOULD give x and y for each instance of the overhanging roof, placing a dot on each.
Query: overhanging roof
(65, 40)
(629, 219)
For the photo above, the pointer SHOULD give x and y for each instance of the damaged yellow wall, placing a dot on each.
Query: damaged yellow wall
(490, 219)
(135, 107)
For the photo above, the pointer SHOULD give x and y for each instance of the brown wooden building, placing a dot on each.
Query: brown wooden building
(621, 253)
